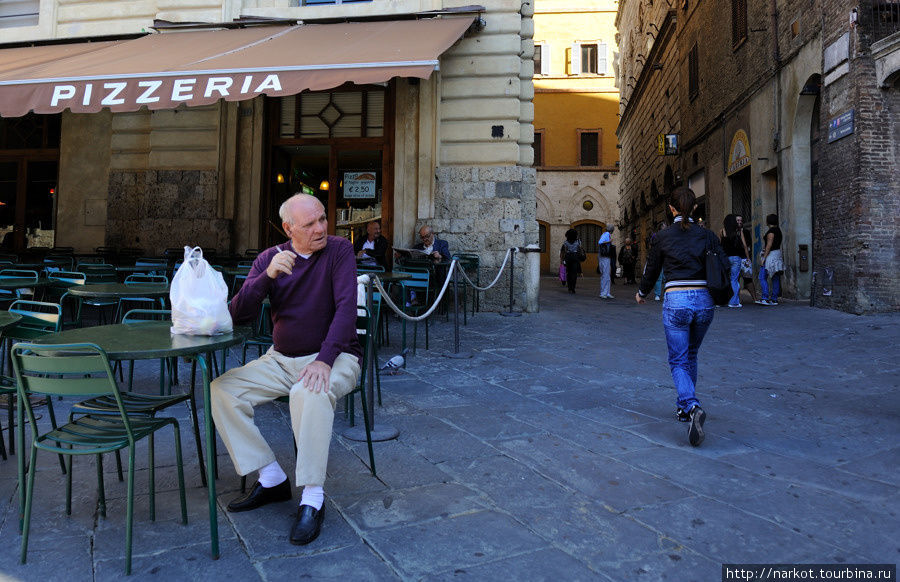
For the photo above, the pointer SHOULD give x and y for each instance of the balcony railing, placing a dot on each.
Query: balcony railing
(885, 18)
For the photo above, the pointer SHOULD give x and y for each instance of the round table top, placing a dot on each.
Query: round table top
(21, 282)
(113, 290)
(145, 340)
(7, 319)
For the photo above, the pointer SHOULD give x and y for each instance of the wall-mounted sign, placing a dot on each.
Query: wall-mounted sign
(739, 155)
(667, 144)
(359, 184)
(841, 126)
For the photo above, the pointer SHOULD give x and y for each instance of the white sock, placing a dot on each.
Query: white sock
(314, 496)
(271, 475)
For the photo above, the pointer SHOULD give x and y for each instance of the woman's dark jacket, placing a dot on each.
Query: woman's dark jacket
(682, 254)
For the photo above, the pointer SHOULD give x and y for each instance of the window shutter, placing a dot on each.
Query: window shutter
(575, 59)
(601, 58)
(545, 59)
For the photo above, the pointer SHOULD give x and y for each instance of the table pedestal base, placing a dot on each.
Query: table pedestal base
(381, 432)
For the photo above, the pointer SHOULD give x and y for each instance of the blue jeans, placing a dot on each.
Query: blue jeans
(735, 280)
(764, 285)
(657, 287)
(686, 317)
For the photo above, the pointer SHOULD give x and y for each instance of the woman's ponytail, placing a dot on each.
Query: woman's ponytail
(683, 200)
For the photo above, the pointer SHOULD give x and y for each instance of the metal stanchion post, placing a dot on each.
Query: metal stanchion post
(512, 268)
(456, 353)
(381, 432)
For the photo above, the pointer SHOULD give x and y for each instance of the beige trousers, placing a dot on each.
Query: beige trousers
(237, 391)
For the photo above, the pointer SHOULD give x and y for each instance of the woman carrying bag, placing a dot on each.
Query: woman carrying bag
(688, 307)
(571, 254)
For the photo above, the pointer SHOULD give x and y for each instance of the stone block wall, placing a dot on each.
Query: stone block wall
(487, 210)
(159, 209)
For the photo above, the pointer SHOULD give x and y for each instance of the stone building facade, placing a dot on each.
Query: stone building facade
(785, 107)
(458, 154)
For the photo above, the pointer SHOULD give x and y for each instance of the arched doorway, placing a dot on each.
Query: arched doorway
(801, 206)
(589, 232)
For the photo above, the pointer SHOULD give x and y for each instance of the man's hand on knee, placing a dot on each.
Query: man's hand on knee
(315, 376)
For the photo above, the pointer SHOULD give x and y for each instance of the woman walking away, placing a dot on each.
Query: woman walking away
(736, 251)
(570, 254)
(771, 263)
(687, 307)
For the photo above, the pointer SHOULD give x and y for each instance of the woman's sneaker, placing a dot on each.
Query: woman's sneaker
(682, 415)
(695, 433)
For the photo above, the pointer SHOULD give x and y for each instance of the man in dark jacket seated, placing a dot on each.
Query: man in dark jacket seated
(436, 248)
(371, 250)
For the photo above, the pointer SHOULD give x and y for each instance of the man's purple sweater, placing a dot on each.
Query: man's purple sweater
(313, 308)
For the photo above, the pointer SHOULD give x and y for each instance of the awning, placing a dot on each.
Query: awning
(163, 71)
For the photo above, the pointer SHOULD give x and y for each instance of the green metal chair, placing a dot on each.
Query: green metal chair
(98, 273)
(25, 290)
(142, 302)
(83, 370)
(138, 404)
(67, 279)
(471, 264)
(415, 295)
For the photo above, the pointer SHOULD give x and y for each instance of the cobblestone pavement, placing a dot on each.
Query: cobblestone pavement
(552, 453)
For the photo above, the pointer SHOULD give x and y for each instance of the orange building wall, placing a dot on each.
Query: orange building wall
(561, 115)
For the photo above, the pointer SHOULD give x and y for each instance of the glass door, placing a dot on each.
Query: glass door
(27, 203)
(358, 196)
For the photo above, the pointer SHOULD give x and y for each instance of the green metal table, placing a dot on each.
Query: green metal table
(150, 340)
(118, 290)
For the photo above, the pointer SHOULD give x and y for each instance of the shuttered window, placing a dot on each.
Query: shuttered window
(15, 13)
(589, 148)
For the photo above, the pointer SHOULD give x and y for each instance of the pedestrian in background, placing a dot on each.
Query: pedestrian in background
(688, 307)
(771, 263)
(657, 287)
(628, 258)
(747, 264)
(604, 264)
(571, 254)
(736, 251)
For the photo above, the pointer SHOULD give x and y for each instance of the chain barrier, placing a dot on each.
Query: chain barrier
(387, 299)
(454, 264)
(497, 278)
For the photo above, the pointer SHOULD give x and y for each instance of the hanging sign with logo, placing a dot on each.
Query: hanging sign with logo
(841, 126)
(667, 144)
(359, 185)
(739, 155)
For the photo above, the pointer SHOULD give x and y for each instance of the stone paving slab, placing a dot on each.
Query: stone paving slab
(536, 461)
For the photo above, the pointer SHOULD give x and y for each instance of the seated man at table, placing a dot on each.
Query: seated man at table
(436, 248)
(311, 284)
(371, 250)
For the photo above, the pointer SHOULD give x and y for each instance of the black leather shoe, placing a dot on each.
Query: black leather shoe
(307, 526)
(259, 496)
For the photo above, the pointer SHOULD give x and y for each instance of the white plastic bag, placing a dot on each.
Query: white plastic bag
(198, 296)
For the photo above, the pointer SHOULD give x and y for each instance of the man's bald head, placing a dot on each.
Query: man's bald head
(297, 202)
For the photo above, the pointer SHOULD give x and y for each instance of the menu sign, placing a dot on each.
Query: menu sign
(359, 184)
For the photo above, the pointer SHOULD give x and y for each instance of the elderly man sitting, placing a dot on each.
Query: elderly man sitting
(310, 282)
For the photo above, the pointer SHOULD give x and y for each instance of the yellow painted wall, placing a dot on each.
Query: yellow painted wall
(564, 103)
(560, 115)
